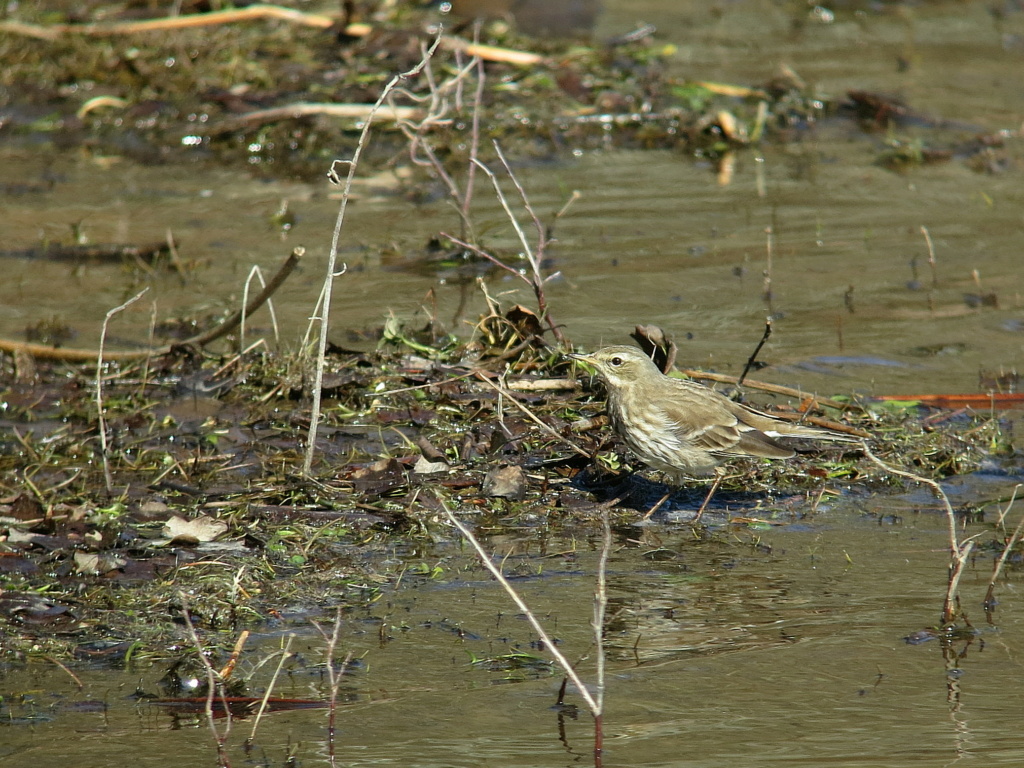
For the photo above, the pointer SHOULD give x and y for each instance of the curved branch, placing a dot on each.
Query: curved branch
(45, 352)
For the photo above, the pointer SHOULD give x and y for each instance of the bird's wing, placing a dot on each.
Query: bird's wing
(696, 415)
(711, 423)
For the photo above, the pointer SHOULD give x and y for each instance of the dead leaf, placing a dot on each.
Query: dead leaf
(424, 466)
(378, 478)
(199, 529)
(26, 507)
(507, 482)
(94, 563)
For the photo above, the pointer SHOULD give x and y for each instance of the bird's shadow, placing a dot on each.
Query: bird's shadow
(632, 490)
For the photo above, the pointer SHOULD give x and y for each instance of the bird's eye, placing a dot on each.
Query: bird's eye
(616, 361)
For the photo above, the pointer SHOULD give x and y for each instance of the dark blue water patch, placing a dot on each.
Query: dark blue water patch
(833, 365)
(967, 489)
(841, 360)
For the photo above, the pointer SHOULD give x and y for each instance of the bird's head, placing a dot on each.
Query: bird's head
(620, 366)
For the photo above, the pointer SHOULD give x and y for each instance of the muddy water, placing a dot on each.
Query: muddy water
(653, 239)
(783, 647)
(655, 236)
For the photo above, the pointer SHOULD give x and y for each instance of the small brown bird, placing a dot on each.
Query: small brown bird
(684, 428)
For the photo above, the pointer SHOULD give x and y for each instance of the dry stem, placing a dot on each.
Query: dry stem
(332, 259)
(536, 419)
(535, 256)
(437, 104)
(99, 388)
(285, 655)
(1014, 538)
(212, 684)
(257, 273)
(334, 675)
(958, 551)
(593, 703)
(600, 609)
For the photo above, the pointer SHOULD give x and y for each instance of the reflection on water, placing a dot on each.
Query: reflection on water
(779, 647)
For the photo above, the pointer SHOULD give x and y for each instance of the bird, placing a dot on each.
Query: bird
(683, 428)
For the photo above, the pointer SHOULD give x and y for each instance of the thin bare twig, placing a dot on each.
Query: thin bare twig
(757, 350)
(235, 318)
(533, 417)
(769, 248)
(437, 103)
(1007, 548)
(285, 655)
(99, 388)
(212, 684)
(474, 139)
(600, 609)
(334, 675)
(59, 663)
(549, 644)
(332, 259)
(1001, 522)
(958, 551)
(534, 256)
(258, 274)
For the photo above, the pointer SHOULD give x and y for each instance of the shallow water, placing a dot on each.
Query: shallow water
(778, 647)
(782, 646)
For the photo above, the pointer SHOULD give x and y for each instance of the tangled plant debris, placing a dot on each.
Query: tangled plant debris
(283, 92)
(208, 497)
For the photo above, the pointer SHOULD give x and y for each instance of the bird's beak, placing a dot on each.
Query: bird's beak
(588, 359)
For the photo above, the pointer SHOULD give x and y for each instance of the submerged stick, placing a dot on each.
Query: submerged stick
(549, 644)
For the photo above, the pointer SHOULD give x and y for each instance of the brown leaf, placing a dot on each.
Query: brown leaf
(203, 528)
(507, 482)
(378, 478)
(526, 322)
(25, 507)
(93, 563)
